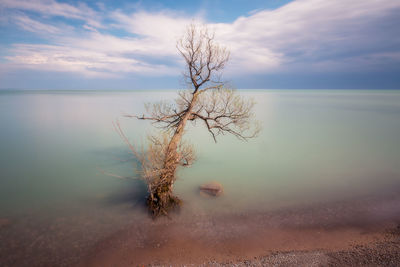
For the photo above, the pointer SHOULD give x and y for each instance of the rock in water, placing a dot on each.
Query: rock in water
(212, 189)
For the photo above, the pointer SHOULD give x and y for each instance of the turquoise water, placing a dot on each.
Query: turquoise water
(315, 146)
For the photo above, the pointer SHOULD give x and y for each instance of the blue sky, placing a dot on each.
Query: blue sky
(53, 44)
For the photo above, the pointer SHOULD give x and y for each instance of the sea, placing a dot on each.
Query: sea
(67, 179)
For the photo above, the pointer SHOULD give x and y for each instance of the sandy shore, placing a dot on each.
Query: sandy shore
(293, 248)
(337, 234)
(363, 231)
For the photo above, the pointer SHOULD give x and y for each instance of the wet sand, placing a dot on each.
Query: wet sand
(177, 246)
(317, 235)
(358, 231)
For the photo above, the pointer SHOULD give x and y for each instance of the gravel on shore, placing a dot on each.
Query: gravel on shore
(382, 253)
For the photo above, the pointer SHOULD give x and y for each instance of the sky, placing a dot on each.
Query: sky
(274, 44)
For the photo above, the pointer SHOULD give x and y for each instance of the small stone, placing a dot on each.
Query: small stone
(211, 189)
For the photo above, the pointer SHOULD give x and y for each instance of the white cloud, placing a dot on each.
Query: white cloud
(72, 59)
(305, 32)
(54, 8)
(31, 25)
(304, 35)
(156, 32)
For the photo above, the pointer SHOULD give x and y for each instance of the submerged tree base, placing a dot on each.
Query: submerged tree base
(162, 204)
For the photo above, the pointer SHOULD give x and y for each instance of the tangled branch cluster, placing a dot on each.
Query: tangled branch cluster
(204, 58)
(222, 111)
(152, 159)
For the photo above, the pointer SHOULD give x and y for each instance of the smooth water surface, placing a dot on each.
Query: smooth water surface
(316, 146)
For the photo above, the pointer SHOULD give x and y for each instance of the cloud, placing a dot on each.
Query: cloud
(305, 33)
(54, 8)
(31, 25)
(302, 36)
(156, 33)
(83, 61)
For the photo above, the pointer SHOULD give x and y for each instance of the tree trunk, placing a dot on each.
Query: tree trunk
(161, 201)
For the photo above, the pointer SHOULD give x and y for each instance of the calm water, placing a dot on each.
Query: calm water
(315, 146)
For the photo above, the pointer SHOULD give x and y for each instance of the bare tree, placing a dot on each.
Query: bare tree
(221, 110)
